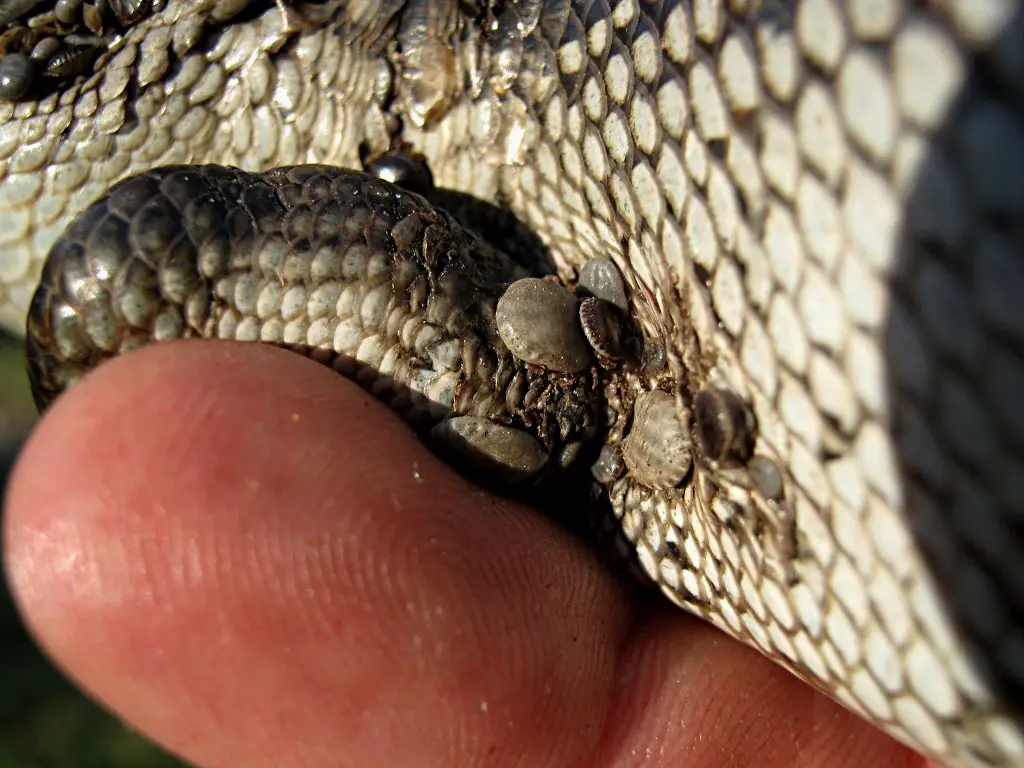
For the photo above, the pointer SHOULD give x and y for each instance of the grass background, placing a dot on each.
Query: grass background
(45, 722)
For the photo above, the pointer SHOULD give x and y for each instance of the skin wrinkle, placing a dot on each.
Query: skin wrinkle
(311, 630)
(703, 728)
(637, 684)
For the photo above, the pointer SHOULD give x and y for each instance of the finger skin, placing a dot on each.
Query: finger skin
(263, 566)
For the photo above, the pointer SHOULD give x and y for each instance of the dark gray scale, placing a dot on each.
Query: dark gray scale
(725, 426)
(83, 40)
(17, 76)
(181, 251)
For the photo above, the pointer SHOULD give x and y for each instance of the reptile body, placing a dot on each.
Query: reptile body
(816, 208)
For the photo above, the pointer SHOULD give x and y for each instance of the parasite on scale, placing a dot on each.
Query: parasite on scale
(407, 171)
(46, 45)
(67, 11)
(603, 326)
(609, 465)
(765, 478)
(70, 61)
(17, 75)
(13, 10)
(601, 279)
(653, 357)
(45, 49)
(486, 449)
(657, 450)
(539, 322)
(128, 12)
(725, 426)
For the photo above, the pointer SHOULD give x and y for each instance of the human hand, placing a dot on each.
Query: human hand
(255, 563)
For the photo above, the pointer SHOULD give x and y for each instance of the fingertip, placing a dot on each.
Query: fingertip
(212, 536)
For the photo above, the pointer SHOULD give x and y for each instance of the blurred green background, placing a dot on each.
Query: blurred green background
(44, 721)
